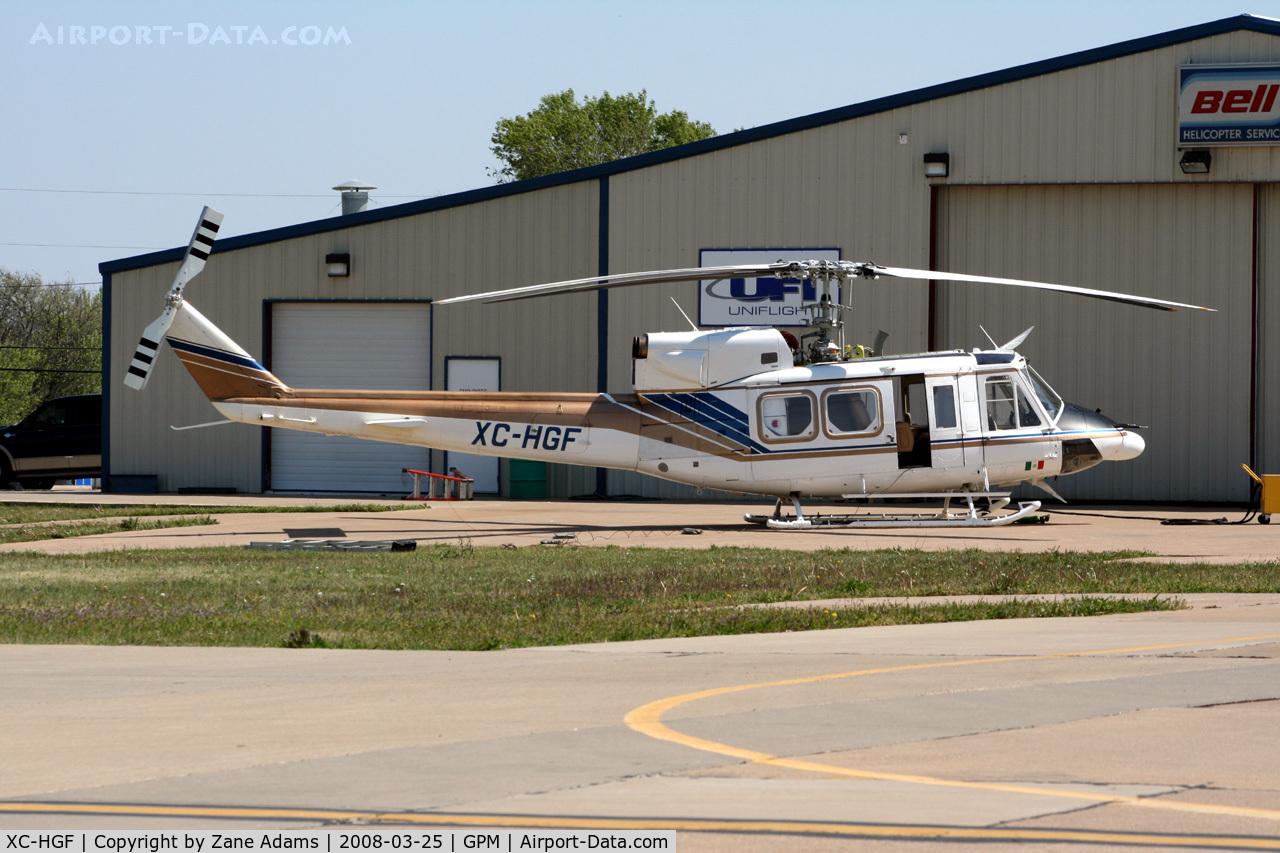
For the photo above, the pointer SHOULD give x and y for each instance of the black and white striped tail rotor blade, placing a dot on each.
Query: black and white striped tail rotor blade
(193, 260)
(1109, 295)
(199, 247)
(144, 357)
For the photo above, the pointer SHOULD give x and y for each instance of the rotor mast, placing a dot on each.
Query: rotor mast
(825, 314)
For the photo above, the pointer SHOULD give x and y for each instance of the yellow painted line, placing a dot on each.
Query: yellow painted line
(505, 821)
(150, 810)
(647, 720)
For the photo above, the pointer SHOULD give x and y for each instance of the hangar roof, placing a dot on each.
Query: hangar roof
(1253, 23)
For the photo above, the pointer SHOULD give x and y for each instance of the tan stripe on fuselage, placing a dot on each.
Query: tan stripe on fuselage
(220, 380)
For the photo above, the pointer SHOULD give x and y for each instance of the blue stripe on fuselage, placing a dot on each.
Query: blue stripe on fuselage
(709, 411)
(216, 354)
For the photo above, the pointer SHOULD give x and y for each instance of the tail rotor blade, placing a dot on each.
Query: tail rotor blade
(144, 357)
(201, 243)
(198, 249)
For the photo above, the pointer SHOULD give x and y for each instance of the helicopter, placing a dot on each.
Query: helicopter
(746, 410)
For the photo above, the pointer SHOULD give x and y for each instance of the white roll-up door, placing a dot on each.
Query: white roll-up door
(382, 346)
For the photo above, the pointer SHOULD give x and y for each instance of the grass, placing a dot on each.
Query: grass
(30, 513)
(38, 532)
(31, 522)
(460, 597)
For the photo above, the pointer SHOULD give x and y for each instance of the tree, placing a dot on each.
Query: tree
(50, 342)
(562, 134)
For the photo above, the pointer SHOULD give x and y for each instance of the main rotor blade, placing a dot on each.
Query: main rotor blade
(1128, 299)
(602, 282)
(828, 270)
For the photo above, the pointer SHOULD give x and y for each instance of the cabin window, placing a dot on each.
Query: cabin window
(1009, 405)
(786, 417)
(1002, 412)
(852, 411)
(1026, 411)
(944, 406)
(1048, 397)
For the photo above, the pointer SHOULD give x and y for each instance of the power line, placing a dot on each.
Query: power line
(78, 246)
(43, 370)
(17, 346)
(13, 286)
(186, 195)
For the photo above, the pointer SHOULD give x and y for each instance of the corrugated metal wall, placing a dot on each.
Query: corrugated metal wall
(1109, 122)
(541, 236)
(1070, 175)
(1267, 433)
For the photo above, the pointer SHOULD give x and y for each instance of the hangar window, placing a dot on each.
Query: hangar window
(852, 411)
(786, 417)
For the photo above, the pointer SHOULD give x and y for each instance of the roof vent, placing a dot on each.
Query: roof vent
(355, 196)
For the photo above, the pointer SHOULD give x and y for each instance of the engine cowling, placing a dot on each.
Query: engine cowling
(672, 361)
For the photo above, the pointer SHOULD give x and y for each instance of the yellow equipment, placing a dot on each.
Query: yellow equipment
(1269, 500)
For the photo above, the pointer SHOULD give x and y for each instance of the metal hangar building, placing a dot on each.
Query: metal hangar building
(1148, 166)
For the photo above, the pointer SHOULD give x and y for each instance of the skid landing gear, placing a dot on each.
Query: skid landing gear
(968, 516)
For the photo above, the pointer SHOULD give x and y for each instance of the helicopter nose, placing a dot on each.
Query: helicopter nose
(1112, 441)
(1126, 444)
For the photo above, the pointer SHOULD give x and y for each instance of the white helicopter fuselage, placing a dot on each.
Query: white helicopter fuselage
(744, 410)
(929, 423)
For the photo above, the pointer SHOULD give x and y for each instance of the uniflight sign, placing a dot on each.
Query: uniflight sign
(1228, 105)
(758, 301)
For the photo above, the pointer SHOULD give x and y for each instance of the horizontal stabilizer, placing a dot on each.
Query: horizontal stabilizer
(397, 422)
(200, 426)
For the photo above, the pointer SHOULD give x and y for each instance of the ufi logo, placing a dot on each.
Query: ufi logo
(761, 289)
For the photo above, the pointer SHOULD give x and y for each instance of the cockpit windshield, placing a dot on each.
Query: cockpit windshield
(1048, 397)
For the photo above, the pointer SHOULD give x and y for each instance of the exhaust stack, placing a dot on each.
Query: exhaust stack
(355, 196)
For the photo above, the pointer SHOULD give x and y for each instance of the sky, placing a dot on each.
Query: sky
(123, 119)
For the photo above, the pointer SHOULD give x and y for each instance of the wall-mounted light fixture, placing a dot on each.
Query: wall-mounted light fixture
(1196, 162)
(937, 164)
(339, 265)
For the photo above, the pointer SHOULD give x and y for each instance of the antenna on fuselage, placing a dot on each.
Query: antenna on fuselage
(692, 326)
(882, 338)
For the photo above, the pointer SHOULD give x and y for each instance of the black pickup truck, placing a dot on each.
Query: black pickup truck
(60, 440)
